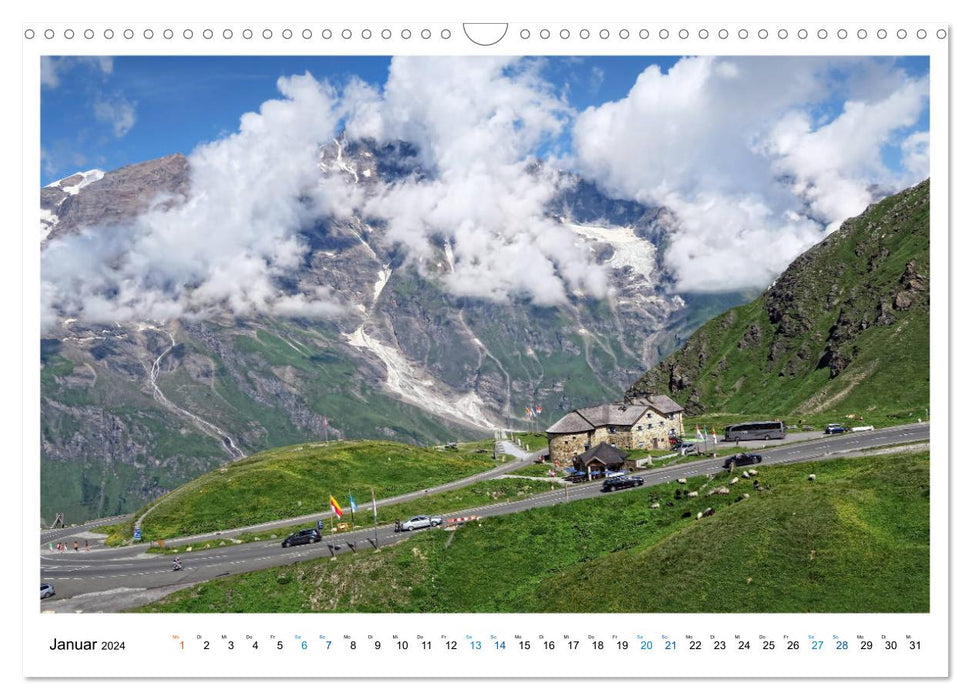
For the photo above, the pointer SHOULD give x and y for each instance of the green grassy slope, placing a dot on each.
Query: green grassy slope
(299, 479)
(855, 540)
(845, 330)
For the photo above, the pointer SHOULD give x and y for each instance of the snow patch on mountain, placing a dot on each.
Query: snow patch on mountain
(629, 250)
(48, 220)
(87, 177)
(415, 387)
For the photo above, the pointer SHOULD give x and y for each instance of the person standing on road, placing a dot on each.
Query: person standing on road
(75, 546)
(87, 548)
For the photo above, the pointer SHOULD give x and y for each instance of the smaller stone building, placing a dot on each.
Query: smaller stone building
(646, 424)
(600, 457)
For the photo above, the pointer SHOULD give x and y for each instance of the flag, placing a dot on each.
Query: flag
(325, 423)
(539, 409)
(698, 432)
(529, 412)
(374, 507)
(714, 435)
(335, 507)
(353, 504)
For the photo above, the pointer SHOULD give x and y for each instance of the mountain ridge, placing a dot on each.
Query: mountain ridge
(844, 328)
(409, 360)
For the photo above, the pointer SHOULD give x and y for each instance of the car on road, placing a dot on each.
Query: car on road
(742, 460)
(621, 482)
(302, 537)
(420, 522)
(46, 590)
(835, 429)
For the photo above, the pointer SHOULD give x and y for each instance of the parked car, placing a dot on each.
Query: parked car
(834, 428)
(742, 460)
(621, 482)
(420, 522)
(302, 537)
(46, 590)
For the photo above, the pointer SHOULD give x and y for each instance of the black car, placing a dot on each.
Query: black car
(835, 429)
(742, 460)
(621, 482)
(302, 537)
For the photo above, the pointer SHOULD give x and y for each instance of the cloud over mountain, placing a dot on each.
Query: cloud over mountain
(227, 243)
(755, 157)
(477, 123)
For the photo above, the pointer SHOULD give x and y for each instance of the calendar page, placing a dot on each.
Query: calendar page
(377, 346)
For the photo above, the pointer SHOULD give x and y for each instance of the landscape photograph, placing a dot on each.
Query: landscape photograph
(482, 334)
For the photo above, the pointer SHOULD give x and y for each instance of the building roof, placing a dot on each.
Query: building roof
(612, 414)
(570, 423)
(583, 420)
(603, 453)
(664, 404)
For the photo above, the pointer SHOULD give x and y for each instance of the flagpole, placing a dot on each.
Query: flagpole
(351, 499)
(374, 507)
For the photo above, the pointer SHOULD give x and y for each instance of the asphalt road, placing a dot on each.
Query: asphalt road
(114, 579)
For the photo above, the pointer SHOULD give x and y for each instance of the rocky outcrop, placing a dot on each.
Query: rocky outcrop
(118, 196)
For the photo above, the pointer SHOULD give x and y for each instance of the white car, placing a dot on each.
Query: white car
(861, 428)
(419, 522)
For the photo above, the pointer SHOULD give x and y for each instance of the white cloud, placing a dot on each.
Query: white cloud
(476, 123)
(734, 149)
(116, 111)
(226, 245)
(833, 165)
(915, 156)
(54, 68)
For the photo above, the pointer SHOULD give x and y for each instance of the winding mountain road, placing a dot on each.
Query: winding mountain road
(111, 580)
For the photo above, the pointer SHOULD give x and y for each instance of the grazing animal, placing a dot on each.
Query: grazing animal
(812, 477)
(708, 513)
(753, 472)
(686, 514)
(655, 505)
(734, 481)
(745, 474)
(744, 495)
(692, 494)
(682, 481)
(699, 516)
(669, 503)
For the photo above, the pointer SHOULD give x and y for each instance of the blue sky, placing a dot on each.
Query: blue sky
(178, 102)
(181, 101)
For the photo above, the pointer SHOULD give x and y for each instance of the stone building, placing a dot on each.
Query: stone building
(646, 424)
